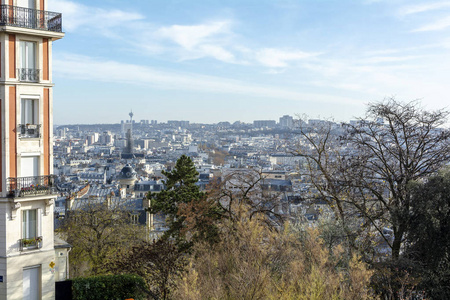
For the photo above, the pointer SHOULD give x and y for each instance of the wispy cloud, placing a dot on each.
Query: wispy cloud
(211, 39)
(390, 59)
(78, 16)
(435, 26)
(437, 14)
(190, 36)
(419, 8)
(272, 57)
(201, 40)
(87, 68)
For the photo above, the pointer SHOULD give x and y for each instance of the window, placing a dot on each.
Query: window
(29, 119)
(31, 283)
(30, 110)
(31, 238)
(134, 219)
(29, 224)
(25, 14)
(28, 70)
(26, 3)
(28, 55)
(29, 166)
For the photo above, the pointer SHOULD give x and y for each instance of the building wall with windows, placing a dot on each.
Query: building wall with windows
(27, 254)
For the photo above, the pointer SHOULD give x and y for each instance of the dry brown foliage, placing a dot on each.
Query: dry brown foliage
(253, 261)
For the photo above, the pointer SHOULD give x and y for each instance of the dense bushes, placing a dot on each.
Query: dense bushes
(109, 287)
(253, 261)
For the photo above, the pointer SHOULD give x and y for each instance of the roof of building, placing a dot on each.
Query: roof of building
(127, 172)
(116, 202)
(60, 243)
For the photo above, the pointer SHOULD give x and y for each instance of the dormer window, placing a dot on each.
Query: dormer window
(28, 64)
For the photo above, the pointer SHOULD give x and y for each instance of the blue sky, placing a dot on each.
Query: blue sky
(210, 61)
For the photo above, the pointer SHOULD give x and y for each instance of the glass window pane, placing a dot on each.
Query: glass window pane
(31, 47)
(28, 55)
(29, 224)
(23, 55)
(32, 223)
(35, 112)
(24, 223)
(30, 111)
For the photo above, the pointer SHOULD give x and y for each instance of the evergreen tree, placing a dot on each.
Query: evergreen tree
(428, 241)
(186, 208)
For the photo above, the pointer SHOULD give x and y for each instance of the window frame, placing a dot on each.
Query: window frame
(24, 117)
(26, 225)
(134, 218)
(24, 48)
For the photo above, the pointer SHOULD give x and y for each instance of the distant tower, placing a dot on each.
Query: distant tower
(130, 146)
(131, 118)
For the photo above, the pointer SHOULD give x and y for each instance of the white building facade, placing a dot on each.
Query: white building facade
(27, 253)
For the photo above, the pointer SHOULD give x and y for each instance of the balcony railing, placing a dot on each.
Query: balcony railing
(29, 75)
(30, 18)
(30, 131)
(30, 186)
(31, 243)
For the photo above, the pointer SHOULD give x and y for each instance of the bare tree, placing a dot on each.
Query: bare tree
(246, 187)
(364, 169)
(98, 233)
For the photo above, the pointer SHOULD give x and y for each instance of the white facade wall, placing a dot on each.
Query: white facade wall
(13, 260)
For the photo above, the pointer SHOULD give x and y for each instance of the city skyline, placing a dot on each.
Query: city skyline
(208, 62)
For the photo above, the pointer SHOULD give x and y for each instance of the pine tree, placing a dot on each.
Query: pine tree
(179, 202)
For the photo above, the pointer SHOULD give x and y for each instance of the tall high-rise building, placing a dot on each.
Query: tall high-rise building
(28, 262)
(286, 121)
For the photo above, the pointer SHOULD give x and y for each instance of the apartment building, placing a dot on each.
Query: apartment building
(28, 265)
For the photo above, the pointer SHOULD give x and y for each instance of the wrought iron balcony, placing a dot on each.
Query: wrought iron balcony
(31, 243)
(29, 75)
(30, 131)
(30, 186)
(30, 18)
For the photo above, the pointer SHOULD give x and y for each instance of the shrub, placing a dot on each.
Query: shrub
(109, 287)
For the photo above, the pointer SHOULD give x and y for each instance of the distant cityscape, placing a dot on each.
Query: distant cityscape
(124, 161)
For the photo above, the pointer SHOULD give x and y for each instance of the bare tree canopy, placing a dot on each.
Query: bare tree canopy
(364, 168)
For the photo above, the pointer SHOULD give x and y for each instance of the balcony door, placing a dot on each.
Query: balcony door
(28, 71)
(31, 283)
(26, 3)
(26, 13)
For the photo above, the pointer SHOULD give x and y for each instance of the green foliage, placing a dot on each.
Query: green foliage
(428, 235)
(182, 195)
(396, 279)
(109, 287)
